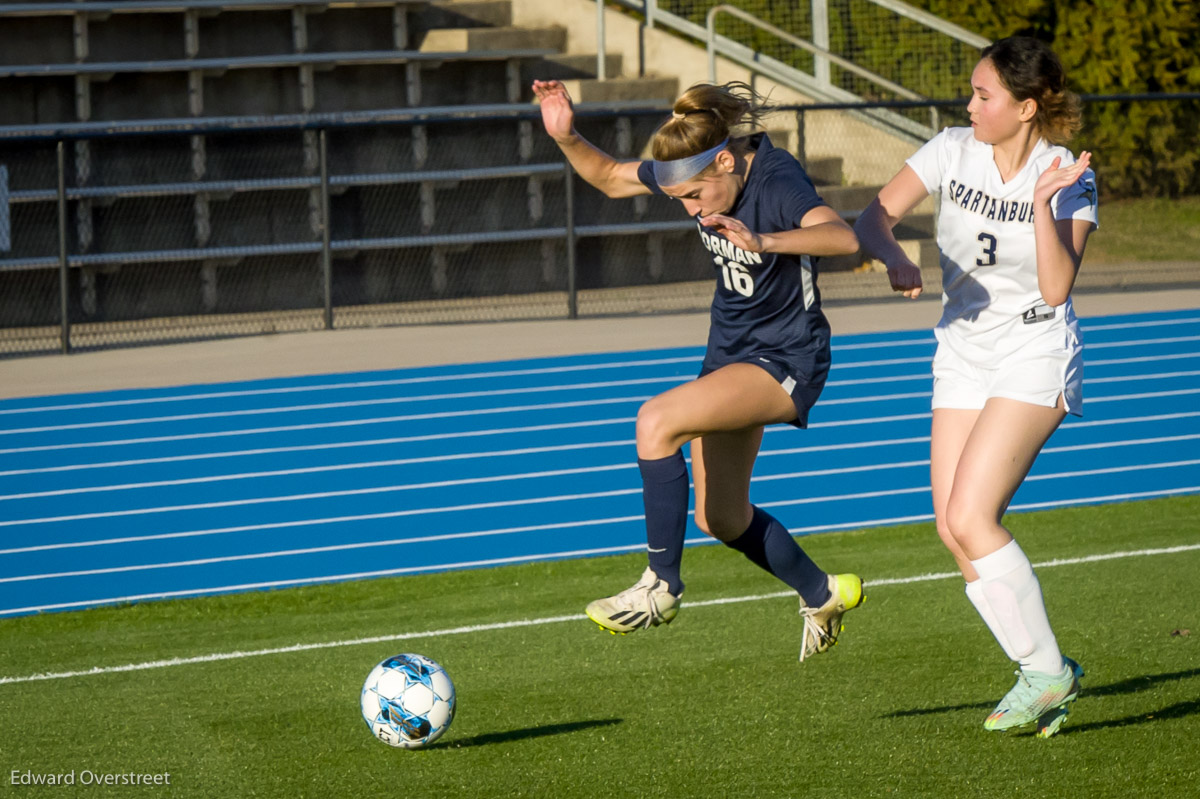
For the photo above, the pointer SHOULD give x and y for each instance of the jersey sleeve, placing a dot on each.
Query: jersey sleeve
(1077, 201)
(930, 162)
(645, 173)
(795, 193)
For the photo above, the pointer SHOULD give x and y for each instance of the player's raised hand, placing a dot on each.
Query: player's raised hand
(1058, 177)
(735, 231)
(906, 277)
(558, 115)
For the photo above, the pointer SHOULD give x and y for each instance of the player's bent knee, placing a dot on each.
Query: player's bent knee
(964, 519)
(655, 433)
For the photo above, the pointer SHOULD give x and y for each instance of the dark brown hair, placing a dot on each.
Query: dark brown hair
(1030, 70)
(704, 116)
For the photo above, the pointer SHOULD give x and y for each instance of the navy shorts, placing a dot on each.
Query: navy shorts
(802, 380)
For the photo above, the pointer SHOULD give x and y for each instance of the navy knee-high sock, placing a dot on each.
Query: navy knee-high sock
(665, 497)
(770, 546)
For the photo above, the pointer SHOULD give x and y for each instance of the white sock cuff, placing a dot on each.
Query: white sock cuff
(1005, 560)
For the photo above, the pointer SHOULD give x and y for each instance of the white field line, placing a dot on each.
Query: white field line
(477, 534)
(474, 629)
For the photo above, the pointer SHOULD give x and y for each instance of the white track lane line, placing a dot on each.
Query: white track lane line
(360, 443)
(475, 534)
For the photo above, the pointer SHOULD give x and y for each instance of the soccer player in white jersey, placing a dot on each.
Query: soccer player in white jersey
(763, 225)
(1016, 209)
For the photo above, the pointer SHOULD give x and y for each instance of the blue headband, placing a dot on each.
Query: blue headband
(672, 173)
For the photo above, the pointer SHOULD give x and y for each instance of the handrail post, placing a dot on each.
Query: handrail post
(326, 253)
(820, 34)
(710, 25)
(64, 280)
(572, 298)
(801, 144)
(601, 34)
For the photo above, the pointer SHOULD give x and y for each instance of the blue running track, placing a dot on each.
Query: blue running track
(136, 495)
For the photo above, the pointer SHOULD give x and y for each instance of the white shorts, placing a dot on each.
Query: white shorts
(1038, 378)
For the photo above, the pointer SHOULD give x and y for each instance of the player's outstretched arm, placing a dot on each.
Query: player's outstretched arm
(874, 229)
(822, 232)
(614, 178)
(1060, 243)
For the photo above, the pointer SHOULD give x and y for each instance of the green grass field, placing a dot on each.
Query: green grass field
(713, 705)
(1151, 229)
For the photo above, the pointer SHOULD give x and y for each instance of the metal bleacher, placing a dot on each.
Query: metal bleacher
(218, 154)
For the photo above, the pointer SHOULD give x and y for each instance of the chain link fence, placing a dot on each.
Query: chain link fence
(153, 233)
(898, 42)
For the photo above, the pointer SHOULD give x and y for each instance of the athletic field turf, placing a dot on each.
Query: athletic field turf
(256, 694)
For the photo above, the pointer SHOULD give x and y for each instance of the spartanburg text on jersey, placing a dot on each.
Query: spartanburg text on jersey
(991, 302)
(765, 303)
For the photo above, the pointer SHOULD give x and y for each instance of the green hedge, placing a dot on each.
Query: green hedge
(1146, 148)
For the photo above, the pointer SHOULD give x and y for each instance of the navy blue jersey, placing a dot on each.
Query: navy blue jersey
(766, 304)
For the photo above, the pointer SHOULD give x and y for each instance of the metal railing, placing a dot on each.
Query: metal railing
(821, 52)
(106, 7)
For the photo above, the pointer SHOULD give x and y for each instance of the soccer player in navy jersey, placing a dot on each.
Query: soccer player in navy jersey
(764, 226)
(1016, 209)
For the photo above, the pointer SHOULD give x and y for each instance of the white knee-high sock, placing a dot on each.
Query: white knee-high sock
(1012, 592)
(975, 594)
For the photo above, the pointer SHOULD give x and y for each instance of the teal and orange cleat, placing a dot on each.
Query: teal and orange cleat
(1038, 697)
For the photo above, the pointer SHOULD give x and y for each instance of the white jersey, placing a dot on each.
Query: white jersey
(991, 305)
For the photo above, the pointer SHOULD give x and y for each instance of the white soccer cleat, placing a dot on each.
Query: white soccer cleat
(822, 625)
(648, 603)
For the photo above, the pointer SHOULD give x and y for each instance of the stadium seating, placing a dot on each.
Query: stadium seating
(463, 198)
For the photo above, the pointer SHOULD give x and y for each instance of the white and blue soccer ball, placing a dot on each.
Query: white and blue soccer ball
(408, 701)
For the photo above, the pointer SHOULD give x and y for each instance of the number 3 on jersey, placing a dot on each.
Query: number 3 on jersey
(989, 250)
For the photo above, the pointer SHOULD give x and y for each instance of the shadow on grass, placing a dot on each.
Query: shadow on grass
(1131, 686)
(529, 732)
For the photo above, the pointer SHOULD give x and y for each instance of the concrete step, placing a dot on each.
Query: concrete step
(572, 67)
(825, 171)
(463, 14)
(603, 91)
(849, 199)
(461, 40)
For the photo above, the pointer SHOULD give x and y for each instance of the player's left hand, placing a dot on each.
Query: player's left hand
(1056, 177)
(733, 229)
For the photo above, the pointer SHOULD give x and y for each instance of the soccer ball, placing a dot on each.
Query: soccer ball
(408, 701)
